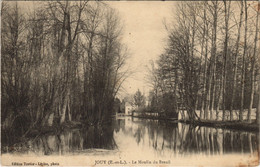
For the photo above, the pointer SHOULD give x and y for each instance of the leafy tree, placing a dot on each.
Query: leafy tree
(139, 99)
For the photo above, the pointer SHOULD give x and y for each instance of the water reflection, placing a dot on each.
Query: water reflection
(131, 135)
(70, 142)
(181, 139)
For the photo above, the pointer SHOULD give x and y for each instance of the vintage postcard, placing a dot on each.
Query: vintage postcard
(130, 83)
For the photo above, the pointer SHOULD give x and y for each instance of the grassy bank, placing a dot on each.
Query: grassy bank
(236, 125)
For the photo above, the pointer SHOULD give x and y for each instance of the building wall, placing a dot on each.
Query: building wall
(128, 110)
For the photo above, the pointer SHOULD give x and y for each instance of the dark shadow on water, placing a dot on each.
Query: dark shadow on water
(67, 142)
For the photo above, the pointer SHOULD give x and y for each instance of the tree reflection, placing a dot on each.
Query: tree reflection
(185, 139)
(161, 137)
(71, 141)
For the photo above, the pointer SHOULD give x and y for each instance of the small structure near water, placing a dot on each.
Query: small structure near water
(129, 108)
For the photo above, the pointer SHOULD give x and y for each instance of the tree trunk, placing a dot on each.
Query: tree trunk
(253, 69)
(208, 92)
(205, 33)
(243, 68)
(175, 90)
(219, 94)
(204, 104)
(214, 50)
(235, 68)
(225, 56)
(258, 106)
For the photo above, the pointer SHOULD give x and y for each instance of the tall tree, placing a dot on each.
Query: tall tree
(139, 99)
(236, 61)
(225, 54)
(243, 66)
(253, 59)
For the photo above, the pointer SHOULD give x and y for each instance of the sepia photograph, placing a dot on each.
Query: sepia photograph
(130, 83)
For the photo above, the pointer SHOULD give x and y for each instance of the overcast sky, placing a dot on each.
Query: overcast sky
(144, 34)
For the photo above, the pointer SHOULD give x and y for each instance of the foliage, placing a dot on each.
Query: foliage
(139, 99)
(62, 60)
(209, 63)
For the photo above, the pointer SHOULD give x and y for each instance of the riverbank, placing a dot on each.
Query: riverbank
(235, 125)
(156, 118)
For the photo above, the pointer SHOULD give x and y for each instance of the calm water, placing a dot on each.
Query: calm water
(128, 135)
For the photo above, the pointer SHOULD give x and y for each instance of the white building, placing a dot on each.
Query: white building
(129, 108)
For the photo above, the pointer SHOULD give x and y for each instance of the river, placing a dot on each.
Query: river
(142, 141)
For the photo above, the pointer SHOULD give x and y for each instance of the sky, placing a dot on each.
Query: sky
(145, 36)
